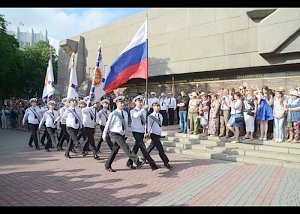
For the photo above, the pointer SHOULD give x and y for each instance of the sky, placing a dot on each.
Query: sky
(63, 23)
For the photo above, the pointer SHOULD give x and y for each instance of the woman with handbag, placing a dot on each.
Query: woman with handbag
(236, 116)
(250, 103)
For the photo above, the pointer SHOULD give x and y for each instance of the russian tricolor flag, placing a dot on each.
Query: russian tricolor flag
(131, 63)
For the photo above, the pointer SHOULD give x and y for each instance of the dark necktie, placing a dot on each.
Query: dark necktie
(35, 114)
(142, 119)
(123, 128)
(170, 102)
(105, 115)
(76, 120)
(158, 118)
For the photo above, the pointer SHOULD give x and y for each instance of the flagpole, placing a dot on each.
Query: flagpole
(50, 56)
(147, 76)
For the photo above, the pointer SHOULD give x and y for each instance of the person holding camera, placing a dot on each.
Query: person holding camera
(236, 116)
(250, 104)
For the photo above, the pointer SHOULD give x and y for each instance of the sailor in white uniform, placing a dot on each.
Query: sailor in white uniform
(51, 123)
(116, 126)
(32, 117)
(138, 123)
(103, 117)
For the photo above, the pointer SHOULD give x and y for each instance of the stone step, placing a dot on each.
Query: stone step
(176, 144)
(267, 161)
(168, 133)
(273, 155)
(197, 153)
(172, 150)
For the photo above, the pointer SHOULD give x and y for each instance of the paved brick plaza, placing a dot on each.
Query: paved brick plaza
(38, 178)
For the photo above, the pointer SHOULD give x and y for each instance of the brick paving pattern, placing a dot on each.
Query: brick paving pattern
(38, 178)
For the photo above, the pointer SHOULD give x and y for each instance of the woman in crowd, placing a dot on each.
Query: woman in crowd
(294, 109)
(279, 116)
(250, 104)
(264, 112)
(214, 118)
(236, 117)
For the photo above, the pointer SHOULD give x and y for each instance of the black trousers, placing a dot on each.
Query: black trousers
(171, 116)
(45, 134)
(165, 117)
(89, 133)
(63, 135)
(33, 128)
(119, 141)
(155, 142)
(139, 144)
(51, 132)
(108, 141)
(81, 133)
(73, 135)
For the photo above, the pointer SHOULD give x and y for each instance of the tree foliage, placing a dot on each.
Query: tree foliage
(22, 72)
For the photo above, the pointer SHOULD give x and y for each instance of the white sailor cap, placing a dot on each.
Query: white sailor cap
(33, 100)
(156, 104)
(139, 97)
(64, 100)
(119, 99)
(163, 94)
(52, 102)
(82, 102)
(153, 93)
(73, 99)
(105, 101)
(86, 98)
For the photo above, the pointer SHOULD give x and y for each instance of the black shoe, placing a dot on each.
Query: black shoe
(144, 161)
(43, 144)
(38, 148)
(84, 153)
(139, 164)
(96, 157)
(67, 156)
(47, 150)
(168, 166)
(154, 167)
(110, 169)
(30, 145)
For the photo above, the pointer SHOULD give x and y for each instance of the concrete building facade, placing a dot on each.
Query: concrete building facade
(28, 38)
(197, 49)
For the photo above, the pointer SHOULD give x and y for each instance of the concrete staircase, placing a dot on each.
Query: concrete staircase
(256, 152)
(253, 152)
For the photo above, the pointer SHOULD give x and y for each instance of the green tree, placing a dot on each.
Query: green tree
(10, 63)
(36, 62)
(22, 72)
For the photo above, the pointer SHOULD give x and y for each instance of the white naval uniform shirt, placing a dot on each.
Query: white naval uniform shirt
(50, 116)
(153, 127)
(33, 114)
(136, 123)
(114, 124)
(164, 105)
(171, 102)
(70, 118)
(103, 116)
(61, 112)
(88, 116)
